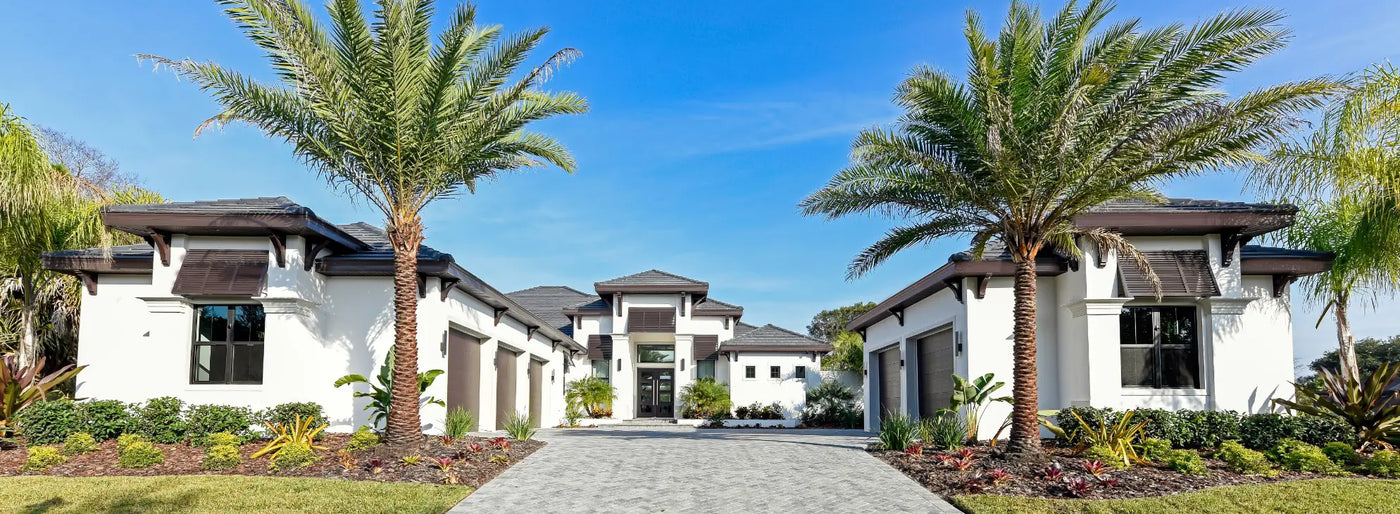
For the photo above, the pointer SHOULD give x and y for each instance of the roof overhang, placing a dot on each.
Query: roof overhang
(132, 264)
(606, 289)
(305, 224)
(775, 348)
(1163, 223)
(1292, 266)
(939, 280)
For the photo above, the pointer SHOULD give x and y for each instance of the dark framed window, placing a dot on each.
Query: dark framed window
(657, 353)
(1160, 347)
(775, 372)
(750, 372)
(601, 369)
(705, 369)
(228, 344)
(800, 372)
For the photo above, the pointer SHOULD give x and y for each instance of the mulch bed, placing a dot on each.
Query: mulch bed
(471, 468)
(1029, 479)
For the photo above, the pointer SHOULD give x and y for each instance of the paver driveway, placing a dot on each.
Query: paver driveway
(681, 469)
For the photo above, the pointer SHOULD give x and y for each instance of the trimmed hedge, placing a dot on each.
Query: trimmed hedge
(49, 422)
(203, 420)
(105, 419)
(1207, 429)
(160, 420)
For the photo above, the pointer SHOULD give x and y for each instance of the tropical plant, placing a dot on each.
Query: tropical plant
(377, 109)
(705, 397)
(594, 394)
(299, 434)
(382, 395)
(828, 324)
(945, 430)
(22, 385)
(520, 426)
(972, 397)
(897, 431)
(459, 421)
(1118, 437)
(1055, 118)
(832, 404)
(1364, 404)
(847, 353)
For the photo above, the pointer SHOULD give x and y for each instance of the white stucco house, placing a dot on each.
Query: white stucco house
(1219, 338)
(257, 302)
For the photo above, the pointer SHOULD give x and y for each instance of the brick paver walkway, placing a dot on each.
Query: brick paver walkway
(681, 469)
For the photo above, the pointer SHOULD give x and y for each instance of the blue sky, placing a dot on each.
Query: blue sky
(709, 122)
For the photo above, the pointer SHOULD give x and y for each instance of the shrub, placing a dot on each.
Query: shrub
(220, 457)
(1320, 430)
(945, 430)
(139, 454)
(1185, 461)
(1366, 405)
(79, 443)
(125, 440)
(1385, 463)
(896, 432)
(1119, 436)
(1296, 455)
(1156, 449)
(49, 422)
(703, 397)
(286, 414)
(1264, 431)
(362, 439)
(1244, 460)
(43, 457)
(297, 455)
(222, 439)
(202, 420)
(105, 419)
(520, 427)
(832, 404)
(299, 432)
(594, 394)
(22, 386)
(459, 421)
(1069, 418)
(159, 420)
(1206, 428)
(379, 394)
(1341, 453)
(1106, 455)
(1161, 424)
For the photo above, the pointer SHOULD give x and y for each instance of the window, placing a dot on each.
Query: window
(750, 372)
(705, 369)
(775, 372)
(228, 345)
(1159, 347)
(800, 372)
(601, 370)
(658, 353)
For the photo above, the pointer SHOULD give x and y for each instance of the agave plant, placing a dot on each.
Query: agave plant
(1364, 404)
(300, 432)
(21, 386)
(380, 395)
(1119, 437)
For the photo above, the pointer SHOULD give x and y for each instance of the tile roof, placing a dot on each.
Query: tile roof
(652, 278)
(711, 304)
(1190, 204)
(1269, 252)
(136, 250)
(742, 328)
(548, 304)
(260, 205)
(774, 338)
(378, 240)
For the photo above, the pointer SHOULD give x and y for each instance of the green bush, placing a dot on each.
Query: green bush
(220, 457)
(1341, 453)
(202, 420)
(295, 455)
(362, 439)
(1106, 455)
(43, 457)
(946, 430)
(1296, 455)
(459, 421)
(160, 420)
(1264, 431)
(1319, 431)
(1067, 421)
(897, 432)
(222, 439)
(1185, 461)
(1155, 450)
(79, 443)
(105, 419)
(139, 454)
(125, 440)
(1206, 428)
(520, 426)
(1161, 424)
(1385, 464)
(702, 398)
(285, 414)
(1244, 460)
(49, 422)
(832, 404)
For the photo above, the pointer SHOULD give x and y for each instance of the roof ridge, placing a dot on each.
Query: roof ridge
(654, 270)
(778, 328)
(572, 290)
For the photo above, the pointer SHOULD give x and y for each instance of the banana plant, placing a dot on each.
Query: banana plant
(973, 397)
(21, 386)
(380, 395)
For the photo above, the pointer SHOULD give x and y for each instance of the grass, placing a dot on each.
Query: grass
(1324, 495)
(221, 494)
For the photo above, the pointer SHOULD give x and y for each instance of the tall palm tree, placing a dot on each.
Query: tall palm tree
(1347, 175)
(377, 109)
(1055, 117)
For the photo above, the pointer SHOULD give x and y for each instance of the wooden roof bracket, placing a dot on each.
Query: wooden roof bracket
(1281, 283)
(89, 281)
(279, 248)
(422, 286)
(499, 312)
(954, 285)
(447, 284)
(898, 313)
(313, 249)
(982, 286)
(530, 332)
(161, 242)
(1231, 240)
(1100, 256)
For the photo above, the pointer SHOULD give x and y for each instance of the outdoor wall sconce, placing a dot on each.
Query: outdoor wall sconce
(551, 376)
(619, 364)
(957, 336)
(682, 364)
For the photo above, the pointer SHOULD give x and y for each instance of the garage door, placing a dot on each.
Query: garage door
(889, 381)
(463, 372)
(536, 392)
(505, 386)
(935, 372)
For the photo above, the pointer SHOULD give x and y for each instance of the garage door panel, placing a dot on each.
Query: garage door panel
(935, 372)
(889, 382)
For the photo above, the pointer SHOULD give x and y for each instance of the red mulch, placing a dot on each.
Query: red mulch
(470, 468)
(1029, 478)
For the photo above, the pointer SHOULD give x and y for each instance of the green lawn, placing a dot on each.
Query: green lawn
(1310, 496)
(221, 494)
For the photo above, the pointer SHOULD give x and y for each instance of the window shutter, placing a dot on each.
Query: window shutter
(1183, 273)
(705, 346)
(651, 319)
(600, 347)
(221, 273)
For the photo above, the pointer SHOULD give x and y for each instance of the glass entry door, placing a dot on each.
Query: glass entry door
(655, 393)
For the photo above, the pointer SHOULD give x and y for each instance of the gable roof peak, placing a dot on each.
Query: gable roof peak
(652, 281)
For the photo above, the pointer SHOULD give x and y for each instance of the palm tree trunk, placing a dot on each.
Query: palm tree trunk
(1346, 343)
(403, 430)
(1025, 426)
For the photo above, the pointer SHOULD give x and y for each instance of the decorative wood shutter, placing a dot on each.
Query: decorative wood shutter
(1183, 273)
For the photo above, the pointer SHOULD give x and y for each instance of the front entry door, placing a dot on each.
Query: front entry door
(655, 394)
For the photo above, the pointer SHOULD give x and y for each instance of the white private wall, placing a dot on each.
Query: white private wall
(788, 390)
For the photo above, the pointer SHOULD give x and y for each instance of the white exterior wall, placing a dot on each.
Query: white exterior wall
(928, 315)
(789, 390)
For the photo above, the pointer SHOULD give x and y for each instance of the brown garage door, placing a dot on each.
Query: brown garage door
(935, 372)
(536, 392)
(463, 372)
(505, 386)
(889, 382)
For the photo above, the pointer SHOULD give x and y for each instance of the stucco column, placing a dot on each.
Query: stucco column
(685, 345)
(166, 357)
(1102, 375)
(624, 379)
(1228, 379)
(290, 333)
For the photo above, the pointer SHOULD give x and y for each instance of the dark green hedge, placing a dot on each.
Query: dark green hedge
(1205, 429)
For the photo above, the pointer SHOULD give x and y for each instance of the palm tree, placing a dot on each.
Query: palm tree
(1055, 117)
(1347, 175)
(377, 109)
